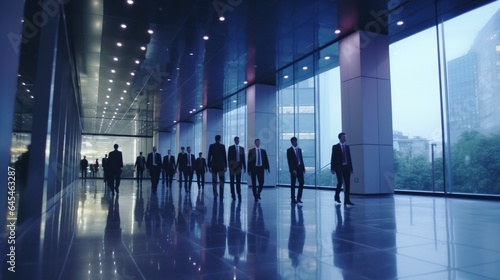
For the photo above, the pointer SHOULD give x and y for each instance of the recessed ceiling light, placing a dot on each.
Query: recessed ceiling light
(106, 102)
(123, 25)
(104, 112)
(245, 82)
(119, 44)
(113, 71)
(130, 2)
(109, 89)
(190, 112)
(337, 31)
(201, 106)
(110, 81)
(28, 90)
(116, 109)
(150, 31)
(113, 117)
(304, 68)
(119, 104)
(286, 77)
(178, 68)
(327, 57)
(205, 37)
(107, 96)
(169, 79)
(234, 101)
(128, 83)
(222, 18)
(143, 48)
(115, 58)
(400, 22)
(23, 83)
(190, 53)
(116, 113)
(132, 73)
(175, 121)
(137, 62)
(124, 91)
(104, 108)
(32, 96)
(103, 116)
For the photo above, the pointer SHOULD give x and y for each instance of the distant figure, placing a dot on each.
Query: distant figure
(95, 168)
(169, 167)
(114, 168)
(341, 164)
(140, 164)
(257, 163)
(217, 164)
(84, 163)
(104, 162)
(201, 168)
(178, 164)
(296, 168)
(237, 164)
(188, 161)
(153, 163)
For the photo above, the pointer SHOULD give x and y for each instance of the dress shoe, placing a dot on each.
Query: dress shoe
(299, 200)
(348, 203)
(337, 200)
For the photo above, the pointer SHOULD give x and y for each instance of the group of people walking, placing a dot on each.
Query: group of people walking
(218, 162)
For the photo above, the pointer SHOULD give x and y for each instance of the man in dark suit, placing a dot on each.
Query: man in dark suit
(104, 162)
(84, 163)
(114, 168)
(257, 163)
(180, 156)
(217, 164)
(140, 164)
(201, 168)
(236, 161)
(296, 168)
(341, 165)
(169, 167)
(188, 169)
(153, 163)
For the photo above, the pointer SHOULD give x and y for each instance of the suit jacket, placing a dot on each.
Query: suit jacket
(149, 162)
(104, 162)
(336, 160)
(217, 159)
(115, 161)
(84, 164)
(140, 163)
(252, 159)
(169, 164)
(293, 164)
(201, 165)
(185, 161)
(181, 157)
(235, 166)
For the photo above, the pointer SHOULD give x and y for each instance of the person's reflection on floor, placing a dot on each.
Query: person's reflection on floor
(342, 247)
(297, 235)
(200, 208)
(168, 211)
(113, 229)
(258, 236)
(139, 208)
(152, 216)
(216, 236)
(235, 235)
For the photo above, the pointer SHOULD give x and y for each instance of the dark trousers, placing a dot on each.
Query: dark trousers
(294, 178)
(200, 178)
(155, 178)
(114, 180)
(140, 174)
(84, 173)
(188, 178)
(220, 175)
(343, 177)
(235, 176)
(257, 174)
(169, 178)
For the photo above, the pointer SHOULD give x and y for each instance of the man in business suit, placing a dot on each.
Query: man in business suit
(188, 168)
(153, 163)
(296, 168)
(114, 168)
(236, 161)
(104, 162)
(217, 165)
(180, 156)
(257, 163)
(341, 165)
(84, 163)
(201, 168)
(169, 167)
(140, 164)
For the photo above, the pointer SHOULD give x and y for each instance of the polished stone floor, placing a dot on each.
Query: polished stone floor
(174, 235)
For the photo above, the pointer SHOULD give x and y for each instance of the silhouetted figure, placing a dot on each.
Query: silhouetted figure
(95, 168)
(216, 236)
(341, 165)
(140, 165)
(201, 169)
(180, 156)
(153, 163)
(237, 166)
(114, 169)
(217, 164)
(139, 208)
(257, 164)
(104, 163)
(169, 168)
(296, 168)
(188, 163)
(84, 163)
(113, 228)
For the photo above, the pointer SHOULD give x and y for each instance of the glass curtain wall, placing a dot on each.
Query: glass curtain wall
(451, 86)
(309, 109)
(235, 122)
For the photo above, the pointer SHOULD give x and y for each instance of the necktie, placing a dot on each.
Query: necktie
(189, 159)
(344, 157)
(237, 153)
(258, 158)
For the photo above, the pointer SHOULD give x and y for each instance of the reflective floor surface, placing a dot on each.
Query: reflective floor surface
(178, 235)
